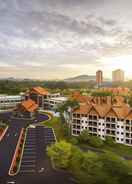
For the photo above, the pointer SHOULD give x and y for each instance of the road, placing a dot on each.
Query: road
(7, 148)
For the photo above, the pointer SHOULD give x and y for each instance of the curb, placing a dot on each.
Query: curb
(22, 152)
(54, 135)
(3, 133)
(14, 156)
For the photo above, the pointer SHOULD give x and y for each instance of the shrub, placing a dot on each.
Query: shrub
(84, 136)
(109, 141)
(60, 154)
(95, 141)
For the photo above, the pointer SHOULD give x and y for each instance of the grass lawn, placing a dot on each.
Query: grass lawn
(56, 124)
(122, 150)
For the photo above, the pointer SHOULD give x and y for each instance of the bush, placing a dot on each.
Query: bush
(109, 141)
(60, 154)
(84, 136)
(95, 141)
(74, 140)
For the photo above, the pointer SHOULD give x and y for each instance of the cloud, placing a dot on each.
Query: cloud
(61, 34)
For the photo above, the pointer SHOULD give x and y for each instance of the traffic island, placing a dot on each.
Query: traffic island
(16, 161)
(3, 131)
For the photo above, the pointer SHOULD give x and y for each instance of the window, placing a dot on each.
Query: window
(127, 122)
(113, 119)
(74, 132)
(108, 119)
(117, 132)
(122, 133)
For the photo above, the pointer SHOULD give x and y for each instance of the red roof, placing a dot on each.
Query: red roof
(28, 105)
(39, 90)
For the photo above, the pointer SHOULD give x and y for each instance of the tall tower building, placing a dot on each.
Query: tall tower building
(99, 78)
(118, 75)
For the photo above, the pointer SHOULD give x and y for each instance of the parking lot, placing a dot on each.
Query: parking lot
(34, 155)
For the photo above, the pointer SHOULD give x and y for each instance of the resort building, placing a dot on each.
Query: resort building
(53, 102)
(37, 94)
(104, 118)
(9, 102)
(44, 99)
(27, 110)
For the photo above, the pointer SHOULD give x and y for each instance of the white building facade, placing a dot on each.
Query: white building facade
(8, 101)
(119, 128)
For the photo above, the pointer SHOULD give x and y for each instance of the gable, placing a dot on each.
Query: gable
(111, 113)
(93, 111)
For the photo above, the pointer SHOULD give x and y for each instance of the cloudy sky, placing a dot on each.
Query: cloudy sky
(56, 39)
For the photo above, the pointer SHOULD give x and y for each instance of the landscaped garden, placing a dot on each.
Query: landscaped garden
(18, 154)
(90, 159)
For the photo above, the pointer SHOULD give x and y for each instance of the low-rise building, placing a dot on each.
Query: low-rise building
(44, 99)
(27, 110)
(53, 102)
(8, 101)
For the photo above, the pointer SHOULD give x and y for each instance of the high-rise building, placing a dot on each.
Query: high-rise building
(99, 78)
(118, 75)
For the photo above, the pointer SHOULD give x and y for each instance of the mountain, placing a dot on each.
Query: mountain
(81, 78)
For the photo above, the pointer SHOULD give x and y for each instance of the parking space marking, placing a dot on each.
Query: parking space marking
(27, 165)
(29, 157)
(27, 161)
(28, 171)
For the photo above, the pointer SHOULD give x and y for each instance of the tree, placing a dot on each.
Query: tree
(60, 154)
(95, 141)
(109, 141)
(84, 136)
(116, 167)
(87, 167)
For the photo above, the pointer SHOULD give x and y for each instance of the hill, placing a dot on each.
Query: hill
(81, 78)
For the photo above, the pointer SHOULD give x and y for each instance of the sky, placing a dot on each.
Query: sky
(57, 39)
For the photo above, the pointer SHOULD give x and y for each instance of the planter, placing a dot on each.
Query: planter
(15, 165)
(3, 133)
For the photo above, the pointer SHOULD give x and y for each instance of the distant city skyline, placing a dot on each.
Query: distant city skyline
(46, 39)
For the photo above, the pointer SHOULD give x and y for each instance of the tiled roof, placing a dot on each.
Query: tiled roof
(83, 109)
(39, 90)
(118, 90)
(122, 112)
(28, 105)
(104, 110)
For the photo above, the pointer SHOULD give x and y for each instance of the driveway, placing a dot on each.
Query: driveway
(7, 148)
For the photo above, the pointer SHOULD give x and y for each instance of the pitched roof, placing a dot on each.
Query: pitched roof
(28, 105)
(102, 109)
(122, 112)
(83, 109)
(39, 90)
